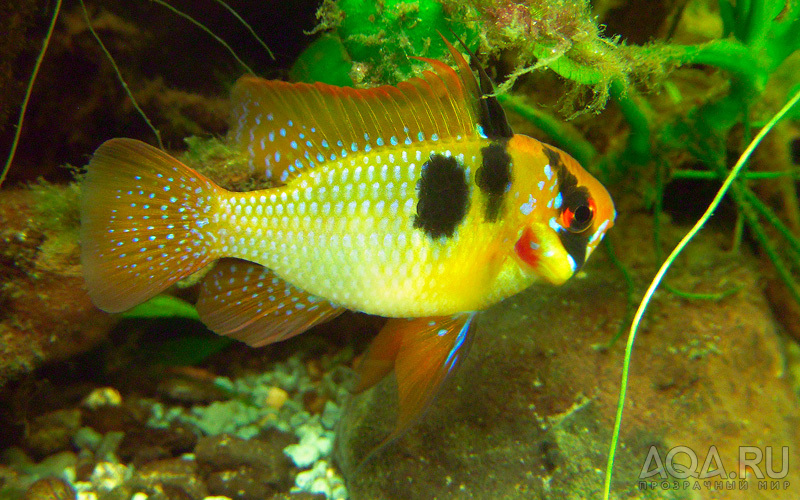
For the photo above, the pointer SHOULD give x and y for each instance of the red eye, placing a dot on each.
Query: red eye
(579, 217)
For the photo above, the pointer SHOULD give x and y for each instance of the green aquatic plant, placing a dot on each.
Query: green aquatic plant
(729, 181)
(379, 37)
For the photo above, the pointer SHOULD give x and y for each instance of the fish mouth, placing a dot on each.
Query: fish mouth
(542, 253)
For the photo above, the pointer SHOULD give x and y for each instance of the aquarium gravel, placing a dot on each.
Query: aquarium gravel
(224, 436)
(253, 408)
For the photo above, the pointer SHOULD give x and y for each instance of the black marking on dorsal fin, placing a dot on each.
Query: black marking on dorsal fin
(491, 116)
(494, 177)
(443, 196)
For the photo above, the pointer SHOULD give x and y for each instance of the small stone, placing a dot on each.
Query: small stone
(105, 419)
(50, 488)
(87, 439)
(330, 415)
(244, 483)
(276, 397)
(107, 476)
(107, 449)
(226, 452)
(190, 391)
(102, 396)
(52, 432)
(314, 402)
(176, 477)
(142, 445)
(320, 485)
(303, 455)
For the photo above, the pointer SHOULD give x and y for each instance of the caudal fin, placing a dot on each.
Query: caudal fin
(146, 223)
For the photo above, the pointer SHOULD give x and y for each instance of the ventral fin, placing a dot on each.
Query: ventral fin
(248, 302)
(287, 128)
(423, 353)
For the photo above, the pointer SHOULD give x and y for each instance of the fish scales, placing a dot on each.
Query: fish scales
(416, 202)
(345, 232)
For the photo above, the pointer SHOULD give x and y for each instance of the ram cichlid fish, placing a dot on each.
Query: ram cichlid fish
(416, 202)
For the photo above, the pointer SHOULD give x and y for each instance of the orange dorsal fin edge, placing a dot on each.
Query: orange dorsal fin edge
(287, 128)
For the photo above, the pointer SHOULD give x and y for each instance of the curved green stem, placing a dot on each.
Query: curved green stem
(634, 109)
(29, 91)
(663, 270)
(729, 55)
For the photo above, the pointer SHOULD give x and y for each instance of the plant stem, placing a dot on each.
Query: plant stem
(663, 270)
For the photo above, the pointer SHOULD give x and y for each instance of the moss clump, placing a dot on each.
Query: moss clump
(216, 159)
(380, 36)
(563, 36)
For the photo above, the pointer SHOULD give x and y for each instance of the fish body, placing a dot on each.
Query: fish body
(414, 201)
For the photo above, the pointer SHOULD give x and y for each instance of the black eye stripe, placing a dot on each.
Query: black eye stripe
(572, 195)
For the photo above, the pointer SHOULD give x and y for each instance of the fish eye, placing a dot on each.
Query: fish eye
(579, 217)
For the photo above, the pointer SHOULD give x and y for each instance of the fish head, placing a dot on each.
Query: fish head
(560, 211)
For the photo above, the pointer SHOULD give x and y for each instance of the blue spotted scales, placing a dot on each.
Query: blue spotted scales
(416, 202)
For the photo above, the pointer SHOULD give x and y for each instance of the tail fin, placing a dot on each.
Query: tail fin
(146, 223)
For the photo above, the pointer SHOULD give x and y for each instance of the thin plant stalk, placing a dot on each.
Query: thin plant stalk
(119, 75)
(28, 92)
(663, 270)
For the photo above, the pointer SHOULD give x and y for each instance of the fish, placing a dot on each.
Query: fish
(416, 202)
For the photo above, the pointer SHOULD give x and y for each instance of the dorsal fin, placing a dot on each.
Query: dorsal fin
(288, 127)
(491, 116)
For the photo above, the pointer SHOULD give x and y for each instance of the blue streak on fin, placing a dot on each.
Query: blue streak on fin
(424, 352)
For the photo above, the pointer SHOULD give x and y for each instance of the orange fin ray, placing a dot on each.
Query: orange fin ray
(145, 223)
(248, 302)
(423, 353)
(287, 128)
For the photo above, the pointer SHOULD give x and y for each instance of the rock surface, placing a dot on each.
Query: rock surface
(530, 413)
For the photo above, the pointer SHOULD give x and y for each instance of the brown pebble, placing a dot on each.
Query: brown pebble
(179, 476)
(142, 445)
(244, 483)
(51, 433)
(190, 391)
(301, 495)
(314, 369)
(226, 453)
(314, 402)
(50, 488)
(110, 418)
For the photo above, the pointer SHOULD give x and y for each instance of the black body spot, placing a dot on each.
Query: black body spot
(494, 177)
(443, 195)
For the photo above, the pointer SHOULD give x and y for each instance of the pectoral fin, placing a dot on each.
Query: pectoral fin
(423, 353)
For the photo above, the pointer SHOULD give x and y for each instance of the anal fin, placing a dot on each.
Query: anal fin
(248, 302)
(423, 353)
